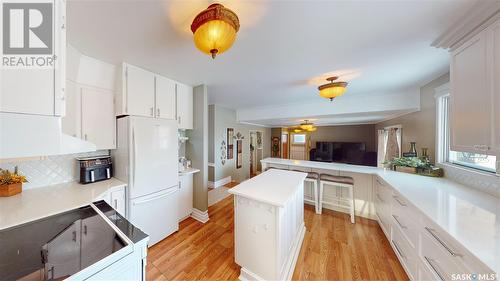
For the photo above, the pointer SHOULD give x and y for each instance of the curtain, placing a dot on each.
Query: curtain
(382, 142)
(393, 146)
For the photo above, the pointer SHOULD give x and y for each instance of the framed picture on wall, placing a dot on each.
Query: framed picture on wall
(239, 153)
(275, 147)
(230, 141)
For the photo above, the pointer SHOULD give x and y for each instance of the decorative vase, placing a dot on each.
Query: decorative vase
(10, 189)
(413, 148)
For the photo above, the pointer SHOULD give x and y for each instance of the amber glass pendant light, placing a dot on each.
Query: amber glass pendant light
(215, 29)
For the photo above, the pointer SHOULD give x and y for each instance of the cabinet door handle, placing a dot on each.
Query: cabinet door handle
(399, 201)
(179, 119)
(400, 224)
(85, 229)
(85, 136)
(116, 204)
(398, 249)
(151, 111)
(74, 236)
(435, 268)
(433, 233)
(158, 112)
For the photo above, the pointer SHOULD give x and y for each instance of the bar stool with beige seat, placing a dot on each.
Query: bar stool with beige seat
(337, 181)
(313, 178)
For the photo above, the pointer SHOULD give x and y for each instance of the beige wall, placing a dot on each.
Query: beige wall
(347, 133)
(197, 147)
(226, 118)
(420, 126)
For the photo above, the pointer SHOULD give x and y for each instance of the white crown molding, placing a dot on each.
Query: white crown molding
(478, 18)
(201, 216)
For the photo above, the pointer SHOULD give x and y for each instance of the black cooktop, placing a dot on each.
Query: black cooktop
(58, 246)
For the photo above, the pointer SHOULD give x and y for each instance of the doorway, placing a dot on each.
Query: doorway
(256, 152)
(298, 147)
(284, 145)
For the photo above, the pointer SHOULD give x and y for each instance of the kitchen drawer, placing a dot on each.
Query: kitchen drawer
(437, 259)
(452, 249)
(424, 274)
(406, 218)
(406, 254)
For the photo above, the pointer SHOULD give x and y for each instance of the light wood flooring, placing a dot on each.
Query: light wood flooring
(333, 249)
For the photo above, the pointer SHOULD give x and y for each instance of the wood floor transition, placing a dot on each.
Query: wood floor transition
(333, 249)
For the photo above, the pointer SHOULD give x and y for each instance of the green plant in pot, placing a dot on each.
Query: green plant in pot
(410, 164)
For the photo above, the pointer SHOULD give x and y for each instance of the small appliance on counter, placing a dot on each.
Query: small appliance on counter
(94, 169)
(184, 164)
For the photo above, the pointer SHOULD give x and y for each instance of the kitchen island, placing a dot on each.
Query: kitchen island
(269, 224)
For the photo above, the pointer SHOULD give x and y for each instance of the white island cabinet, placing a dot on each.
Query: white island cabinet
(269, 224)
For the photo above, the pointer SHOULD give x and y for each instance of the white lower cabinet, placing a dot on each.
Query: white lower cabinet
(424, 250)
(406, 254)
(115, 197)
(185, 196)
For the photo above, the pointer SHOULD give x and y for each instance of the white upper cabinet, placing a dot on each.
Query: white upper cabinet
(495, 74)
(98, 118)
(470, 96)
(165, 98)
(184, 106)
(143, 93)
(37, 90)
(137, 95)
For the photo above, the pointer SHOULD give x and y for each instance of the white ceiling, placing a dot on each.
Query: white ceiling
(284, 48)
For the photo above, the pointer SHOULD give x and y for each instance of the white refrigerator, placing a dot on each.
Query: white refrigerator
(146, 158)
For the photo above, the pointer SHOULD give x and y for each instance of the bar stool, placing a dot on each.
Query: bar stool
(313, 178)
(340, 181)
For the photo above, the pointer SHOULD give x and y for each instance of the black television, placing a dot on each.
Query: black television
(342, 152)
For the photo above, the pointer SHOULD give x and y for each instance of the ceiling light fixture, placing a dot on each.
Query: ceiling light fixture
(303, 127)
(215, 29)
(332, 89)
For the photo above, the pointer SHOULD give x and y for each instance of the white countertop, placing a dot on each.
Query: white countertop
(470, 216)
(188, 171)
(274, 187)
(36, 203)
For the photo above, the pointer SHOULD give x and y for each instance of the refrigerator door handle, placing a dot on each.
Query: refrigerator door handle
(171, 191)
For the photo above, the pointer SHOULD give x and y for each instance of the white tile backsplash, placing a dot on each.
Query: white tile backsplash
(489, 183)
(49, 170)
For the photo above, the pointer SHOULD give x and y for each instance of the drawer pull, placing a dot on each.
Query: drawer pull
(378, 181)
(399, 201)
(433, 233)
(400, 224)
(398, 249)
(435, 268)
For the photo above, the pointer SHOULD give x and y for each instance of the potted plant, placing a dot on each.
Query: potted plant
(409, 164)
(10, 183)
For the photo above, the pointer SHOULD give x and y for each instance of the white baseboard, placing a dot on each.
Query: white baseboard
(220, 182)
(201, 216)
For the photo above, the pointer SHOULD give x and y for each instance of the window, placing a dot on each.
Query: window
(299, 139)
(446, 155)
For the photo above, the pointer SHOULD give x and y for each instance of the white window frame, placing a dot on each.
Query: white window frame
(443, 147)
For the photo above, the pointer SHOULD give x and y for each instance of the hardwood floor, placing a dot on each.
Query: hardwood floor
(333, 249)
